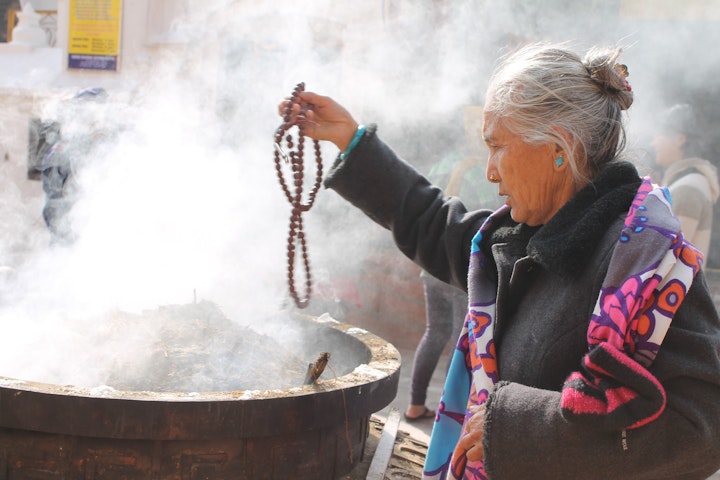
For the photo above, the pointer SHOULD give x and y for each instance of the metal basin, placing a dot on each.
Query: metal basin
(313, 431)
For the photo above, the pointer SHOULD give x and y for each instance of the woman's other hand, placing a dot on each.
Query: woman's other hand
(322, 118)
(471, 438)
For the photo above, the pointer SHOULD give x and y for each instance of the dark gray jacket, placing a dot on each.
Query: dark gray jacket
(548, 282)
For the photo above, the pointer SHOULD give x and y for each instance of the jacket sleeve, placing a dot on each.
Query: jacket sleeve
(430, 229)
(526, 435)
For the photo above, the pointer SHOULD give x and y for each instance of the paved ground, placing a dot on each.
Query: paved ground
(408, 452)
(419, 429)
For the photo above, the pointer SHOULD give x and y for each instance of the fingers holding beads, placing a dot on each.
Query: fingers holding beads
(321, 117)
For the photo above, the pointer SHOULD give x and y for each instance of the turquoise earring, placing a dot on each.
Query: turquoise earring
(559, 161)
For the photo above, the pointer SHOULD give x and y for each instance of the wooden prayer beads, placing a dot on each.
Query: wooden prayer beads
(294, 193)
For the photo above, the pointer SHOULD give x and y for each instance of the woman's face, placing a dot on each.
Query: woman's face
(528, 175)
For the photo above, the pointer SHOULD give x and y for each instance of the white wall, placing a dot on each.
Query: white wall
(31, 81)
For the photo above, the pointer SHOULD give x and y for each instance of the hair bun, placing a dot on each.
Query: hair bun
(611, 76)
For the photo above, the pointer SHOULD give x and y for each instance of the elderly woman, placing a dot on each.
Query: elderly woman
(591, 347)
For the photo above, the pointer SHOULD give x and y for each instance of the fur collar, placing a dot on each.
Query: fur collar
(565, 244)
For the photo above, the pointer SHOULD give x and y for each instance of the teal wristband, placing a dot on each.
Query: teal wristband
(355, 140)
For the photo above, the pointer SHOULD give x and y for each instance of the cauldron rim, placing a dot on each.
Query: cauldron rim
(72, 410)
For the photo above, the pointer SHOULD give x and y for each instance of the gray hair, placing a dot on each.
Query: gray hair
(546, 93)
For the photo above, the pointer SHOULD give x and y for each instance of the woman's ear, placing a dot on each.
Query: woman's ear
(561, 153)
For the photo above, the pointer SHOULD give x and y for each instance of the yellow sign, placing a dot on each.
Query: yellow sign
(94, 38)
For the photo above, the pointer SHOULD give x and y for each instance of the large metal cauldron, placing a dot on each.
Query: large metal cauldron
(305, 432)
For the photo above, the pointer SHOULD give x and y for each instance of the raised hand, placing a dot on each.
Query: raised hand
(322, 118)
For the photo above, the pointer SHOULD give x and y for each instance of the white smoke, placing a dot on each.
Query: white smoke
(181, 202)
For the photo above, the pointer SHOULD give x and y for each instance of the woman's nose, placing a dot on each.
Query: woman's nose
(491, 172)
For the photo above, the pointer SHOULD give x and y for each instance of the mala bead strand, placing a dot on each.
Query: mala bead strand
(294, 194)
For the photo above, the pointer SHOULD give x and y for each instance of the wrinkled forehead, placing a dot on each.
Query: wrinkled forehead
(490, 121)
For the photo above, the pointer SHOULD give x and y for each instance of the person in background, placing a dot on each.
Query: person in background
(445, 305)
(80, 133)
(691, 180)
(591, 345)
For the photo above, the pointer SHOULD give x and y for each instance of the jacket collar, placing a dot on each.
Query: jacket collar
(565, 244)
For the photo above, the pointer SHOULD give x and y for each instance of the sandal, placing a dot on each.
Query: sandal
(427, 413)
